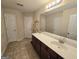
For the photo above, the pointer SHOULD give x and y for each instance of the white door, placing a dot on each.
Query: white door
(10, 21)
(72, 28)
(28, 26)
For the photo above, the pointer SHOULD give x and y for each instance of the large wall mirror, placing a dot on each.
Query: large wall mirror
(63, 23)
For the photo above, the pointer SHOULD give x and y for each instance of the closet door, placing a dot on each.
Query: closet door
(72, 28)
(28, 26)
(10, 21)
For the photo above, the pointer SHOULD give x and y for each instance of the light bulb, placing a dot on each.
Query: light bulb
(58, 1)
(53, 3)
(49, 5)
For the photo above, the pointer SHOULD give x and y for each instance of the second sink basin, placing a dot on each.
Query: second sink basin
(59, 45)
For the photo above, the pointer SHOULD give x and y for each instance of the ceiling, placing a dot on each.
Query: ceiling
(28, 5)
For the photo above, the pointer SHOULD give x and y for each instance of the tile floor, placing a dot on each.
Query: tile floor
(21, 50)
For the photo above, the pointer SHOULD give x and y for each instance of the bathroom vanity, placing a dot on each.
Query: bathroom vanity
(44, 51)
(49, 48)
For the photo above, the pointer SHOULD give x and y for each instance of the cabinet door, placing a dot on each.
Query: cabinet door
(44, 54)
(53, 55)
(37, 47)
(33, 41)
(59, 57)
(36, 44)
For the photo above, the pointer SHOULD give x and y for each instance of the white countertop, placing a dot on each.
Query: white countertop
(66, 51)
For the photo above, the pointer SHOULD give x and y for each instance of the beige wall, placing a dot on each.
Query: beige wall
(58, 22)
(20, 26)
(19, 22)
(36, 22)
(4, 41)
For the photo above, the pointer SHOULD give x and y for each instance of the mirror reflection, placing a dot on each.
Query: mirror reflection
(62, 23)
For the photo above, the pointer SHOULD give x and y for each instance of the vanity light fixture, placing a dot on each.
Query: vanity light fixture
(58, 1)
(54, 3)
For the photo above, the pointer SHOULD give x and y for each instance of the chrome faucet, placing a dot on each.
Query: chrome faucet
(62, 40)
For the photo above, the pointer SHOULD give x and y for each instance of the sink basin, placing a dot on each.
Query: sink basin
(56, 43)
(59, 45)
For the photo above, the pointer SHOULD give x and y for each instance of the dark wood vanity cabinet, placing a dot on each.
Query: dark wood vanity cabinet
(44, 54)
(44, 51)
(36, 44)
(54, 55)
